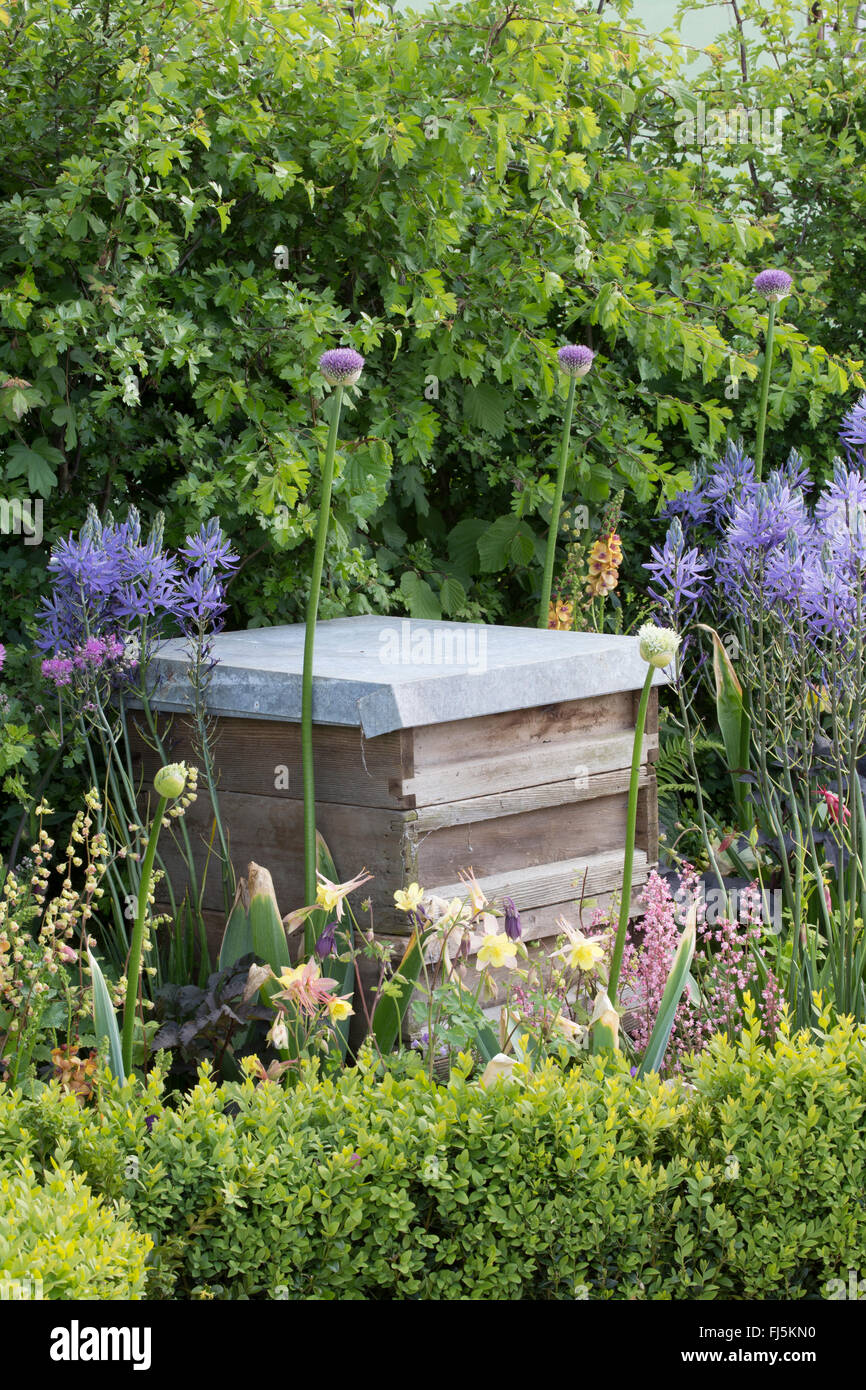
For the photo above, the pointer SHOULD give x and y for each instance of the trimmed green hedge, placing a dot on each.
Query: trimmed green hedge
(746, 1182)
(58, 1241)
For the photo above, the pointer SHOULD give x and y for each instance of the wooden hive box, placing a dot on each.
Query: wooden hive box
(438, 746)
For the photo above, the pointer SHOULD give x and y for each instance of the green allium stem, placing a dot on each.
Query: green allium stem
(309, 642)
(547, 583)
(765, 389)
(133, 967)
(630, 832)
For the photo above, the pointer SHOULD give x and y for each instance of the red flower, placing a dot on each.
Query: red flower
(832, 801)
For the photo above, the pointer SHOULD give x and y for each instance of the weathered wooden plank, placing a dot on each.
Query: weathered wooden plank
(549, 834)
(527, 768)
(512, 803)
(262, 757)
(270, 831)
(467, 740)
(545, 884)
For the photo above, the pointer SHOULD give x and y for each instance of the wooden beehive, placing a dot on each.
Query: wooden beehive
(438, 747)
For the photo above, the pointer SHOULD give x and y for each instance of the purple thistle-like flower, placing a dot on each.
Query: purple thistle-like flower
(575, 359)
(773, 284)
(513, 929)
(853, 431)
(341, 366)
(326, 945)
(680, 577)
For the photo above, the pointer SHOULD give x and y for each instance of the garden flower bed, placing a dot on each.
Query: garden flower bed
(432, 718)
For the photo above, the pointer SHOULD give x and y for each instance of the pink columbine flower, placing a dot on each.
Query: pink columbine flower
(832, 801)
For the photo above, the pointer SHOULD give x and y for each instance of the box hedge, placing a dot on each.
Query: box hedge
(745, 1181)
(59, 1241)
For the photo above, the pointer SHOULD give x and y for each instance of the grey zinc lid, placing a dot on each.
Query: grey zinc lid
(397, 673)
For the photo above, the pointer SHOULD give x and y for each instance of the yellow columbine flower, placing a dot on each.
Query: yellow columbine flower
(579, 953)
(339, 1009)
(408, 899)
(498, 951)
(294, 975)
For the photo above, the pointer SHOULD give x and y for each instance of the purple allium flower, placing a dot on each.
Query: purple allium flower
(2, 655)
(513, 929)
(341, 366)
(853, 431)
(773, 284)
(680, 577)
(327, 942)
(575, 360)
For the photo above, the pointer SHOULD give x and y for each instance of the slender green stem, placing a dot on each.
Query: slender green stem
(630, 832)
(133, 968)
(307, 679)
(547, 583)
(765, 390)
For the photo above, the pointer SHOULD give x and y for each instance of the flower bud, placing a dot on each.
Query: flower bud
(658, 645)
(170, 781)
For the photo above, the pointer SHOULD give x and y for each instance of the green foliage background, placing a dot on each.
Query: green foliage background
(197, 198)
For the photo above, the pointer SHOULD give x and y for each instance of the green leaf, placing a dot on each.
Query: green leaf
(105, 1019)
(731, 712)
(391, 1008)
(677, 983)
(237, 939)
(452, 595)
(483, 408)
(267, 930)
(420, 598)
(463, 543)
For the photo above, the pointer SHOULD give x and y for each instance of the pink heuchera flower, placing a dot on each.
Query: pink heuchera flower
(724, 964)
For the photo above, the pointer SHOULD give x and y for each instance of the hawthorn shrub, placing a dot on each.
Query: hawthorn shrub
(743, 1182)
